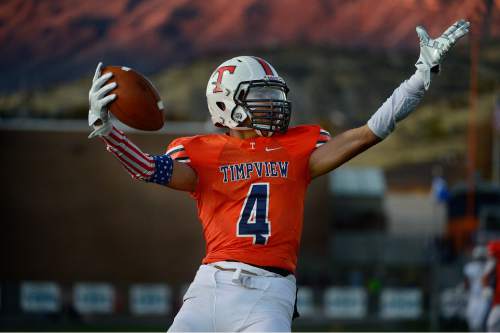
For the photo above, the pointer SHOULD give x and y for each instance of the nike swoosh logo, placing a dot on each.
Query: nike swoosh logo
(271, 149)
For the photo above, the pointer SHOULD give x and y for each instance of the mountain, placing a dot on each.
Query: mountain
(45, 41)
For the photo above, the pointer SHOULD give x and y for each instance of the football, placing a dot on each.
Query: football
(137, 102)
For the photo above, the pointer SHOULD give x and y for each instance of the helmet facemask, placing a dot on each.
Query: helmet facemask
(266, 104)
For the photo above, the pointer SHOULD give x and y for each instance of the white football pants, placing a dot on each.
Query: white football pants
(493, 324)
(476, 312)
(234, 301)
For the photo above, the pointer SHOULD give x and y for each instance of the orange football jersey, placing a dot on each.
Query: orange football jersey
(250, 193)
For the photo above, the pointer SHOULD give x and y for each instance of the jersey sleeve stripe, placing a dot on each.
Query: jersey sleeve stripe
(175, 149)
(179, 154)
(323, 138)
(323, 132)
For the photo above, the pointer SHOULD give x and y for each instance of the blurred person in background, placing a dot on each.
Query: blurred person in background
(478, 301)
(250, 182)
(439, 186)
(491, 285)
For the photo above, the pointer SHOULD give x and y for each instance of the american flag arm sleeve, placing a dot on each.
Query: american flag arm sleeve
(139, 165)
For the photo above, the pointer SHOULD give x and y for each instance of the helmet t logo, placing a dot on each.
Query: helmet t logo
(220, 73)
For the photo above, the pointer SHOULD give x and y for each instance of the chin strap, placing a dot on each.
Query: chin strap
(242, 128)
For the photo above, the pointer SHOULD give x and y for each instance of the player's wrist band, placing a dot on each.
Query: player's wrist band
(164, 166)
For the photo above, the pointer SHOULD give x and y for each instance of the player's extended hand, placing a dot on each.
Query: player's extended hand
(98, 100)
(433, 51)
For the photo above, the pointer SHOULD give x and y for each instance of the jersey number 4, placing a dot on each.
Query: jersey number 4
(253, 220)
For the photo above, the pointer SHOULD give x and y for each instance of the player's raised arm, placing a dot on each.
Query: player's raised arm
(398, 106)
(161, 169)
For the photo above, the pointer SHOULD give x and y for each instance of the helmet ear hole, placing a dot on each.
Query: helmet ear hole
(221, 106)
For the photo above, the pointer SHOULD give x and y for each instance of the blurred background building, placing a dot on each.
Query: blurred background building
(385, 237)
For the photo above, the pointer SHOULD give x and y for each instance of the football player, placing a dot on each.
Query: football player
(491, 283)
(250, 182)
(477, 304)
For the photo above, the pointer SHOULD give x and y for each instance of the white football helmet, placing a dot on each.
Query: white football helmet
(247, 93)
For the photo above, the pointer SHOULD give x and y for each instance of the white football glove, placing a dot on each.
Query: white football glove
(98, 100)
(432, 51)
